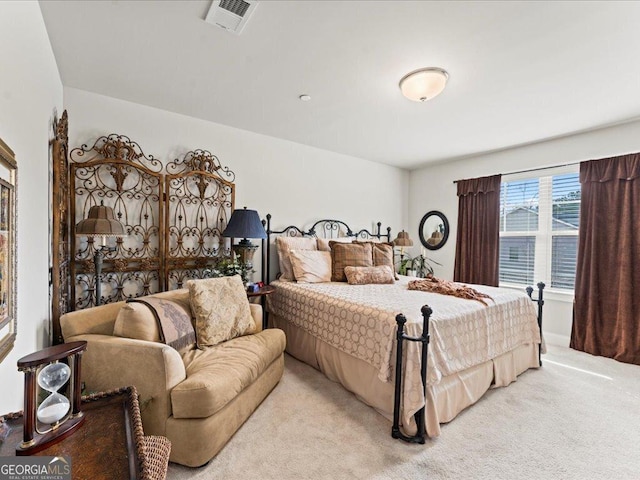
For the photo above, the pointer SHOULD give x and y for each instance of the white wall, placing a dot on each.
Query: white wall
(432, 188)
(297, 184)
(30, 92)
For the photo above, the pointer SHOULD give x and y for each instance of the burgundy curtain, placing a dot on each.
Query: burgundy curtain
(478, 238)
(607, 306)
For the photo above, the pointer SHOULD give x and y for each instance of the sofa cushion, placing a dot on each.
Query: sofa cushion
(221, 309)
(216, 375)
(135, 320)
(162, 317)
(173, 320)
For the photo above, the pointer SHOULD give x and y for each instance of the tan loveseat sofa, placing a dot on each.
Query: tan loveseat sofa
(197, 398)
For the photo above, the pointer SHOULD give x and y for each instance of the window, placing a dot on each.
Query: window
(539, 221)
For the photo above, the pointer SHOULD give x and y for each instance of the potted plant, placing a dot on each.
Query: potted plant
(228, 266)
(419, 266)
(405, 265)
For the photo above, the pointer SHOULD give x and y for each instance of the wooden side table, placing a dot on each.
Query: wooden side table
(110, 444)
(262, 295)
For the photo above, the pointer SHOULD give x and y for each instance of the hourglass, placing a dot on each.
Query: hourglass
(57, 416)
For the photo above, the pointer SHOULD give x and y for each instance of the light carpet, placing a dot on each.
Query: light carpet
(577, 417)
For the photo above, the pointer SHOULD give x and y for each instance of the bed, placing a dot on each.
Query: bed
(357, 336)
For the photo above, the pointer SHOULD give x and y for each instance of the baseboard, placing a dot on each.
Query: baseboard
(556, 339)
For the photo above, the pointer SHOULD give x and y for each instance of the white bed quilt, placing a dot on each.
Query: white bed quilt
(360, 320)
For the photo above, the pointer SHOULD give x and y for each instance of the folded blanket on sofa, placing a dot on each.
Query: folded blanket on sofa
(174, 321)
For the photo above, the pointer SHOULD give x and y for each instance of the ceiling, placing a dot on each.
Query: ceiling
(519, 72)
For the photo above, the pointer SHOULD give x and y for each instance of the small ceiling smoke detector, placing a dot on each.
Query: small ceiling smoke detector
(231, 15)
(305, 98)
(424, 84)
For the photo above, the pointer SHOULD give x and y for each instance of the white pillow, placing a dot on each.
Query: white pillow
(284, 246)
(311, 266)
(323, 243)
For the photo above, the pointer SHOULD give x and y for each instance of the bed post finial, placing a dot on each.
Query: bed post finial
(263, 264)
(267, 253)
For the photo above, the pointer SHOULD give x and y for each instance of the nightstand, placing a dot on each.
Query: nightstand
(262, 295)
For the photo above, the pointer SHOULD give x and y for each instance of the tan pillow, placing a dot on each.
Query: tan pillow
(284, 246)
(349, 255)
(311, 266)
(383, 255)
(367, 275)
(135, 320)
(323, 243)
(220, 308)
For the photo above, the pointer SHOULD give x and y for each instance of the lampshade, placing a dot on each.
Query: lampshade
(424, 84)
(403, 240)
(101, 221)
(244, 224)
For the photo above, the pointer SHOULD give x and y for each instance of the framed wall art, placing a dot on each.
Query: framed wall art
(8, 258)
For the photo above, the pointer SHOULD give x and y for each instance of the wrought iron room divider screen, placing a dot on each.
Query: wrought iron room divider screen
(173, 214)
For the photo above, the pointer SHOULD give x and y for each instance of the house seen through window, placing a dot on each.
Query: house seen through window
(539, 221)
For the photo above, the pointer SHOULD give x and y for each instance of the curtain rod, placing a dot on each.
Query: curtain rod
(535, 169)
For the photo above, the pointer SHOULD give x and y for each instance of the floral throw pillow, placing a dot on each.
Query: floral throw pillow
(366, 275)
(220, 308)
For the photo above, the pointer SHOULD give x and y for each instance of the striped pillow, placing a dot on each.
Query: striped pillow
(349, 255)
(383, 255)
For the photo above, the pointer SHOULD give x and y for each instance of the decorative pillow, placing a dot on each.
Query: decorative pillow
(367, 275)
(383, 255)
(311, 266)
(284, 246)
(349, 255)
(221, 309)
(323, 243)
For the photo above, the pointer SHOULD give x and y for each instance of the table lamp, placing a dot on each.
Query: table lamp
(402, 240)
(245, 224)
(100, 222)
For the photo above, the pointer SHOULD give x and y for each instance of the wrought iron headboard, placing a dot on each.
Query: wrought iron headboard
(325, 228)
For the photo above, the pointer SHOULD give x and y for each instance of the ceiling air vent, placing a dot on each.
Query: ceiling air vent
(232, 15)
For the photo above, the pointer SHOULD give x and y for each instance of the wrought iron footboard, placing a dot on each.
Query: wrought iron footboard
(426, 311)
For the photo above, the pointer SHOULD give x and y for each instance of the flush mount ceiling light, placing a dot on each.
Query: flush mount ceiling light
(424, 84)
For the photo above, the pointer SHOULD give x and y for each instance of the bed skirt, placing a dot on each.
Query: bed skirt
(445, 400)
